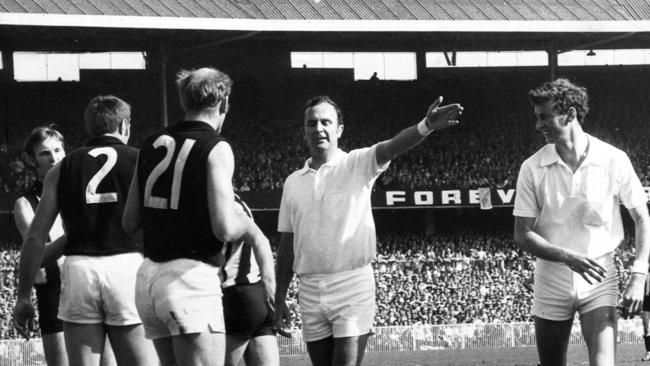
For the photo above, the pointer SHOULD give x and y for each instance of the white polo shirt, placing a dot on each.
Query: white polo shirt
(329, 213)
(579, 211)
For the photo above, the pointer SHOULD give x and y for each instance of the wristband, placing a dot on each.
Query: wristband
(640, 267)
(423, 129)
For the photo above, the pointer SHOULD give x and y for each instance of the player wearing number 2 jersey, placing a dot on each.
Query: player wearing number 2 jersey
(182, 198)
(89, 189)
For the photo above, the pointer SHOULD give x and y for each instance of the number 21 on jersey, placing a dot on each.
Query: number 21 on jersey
(170, 147)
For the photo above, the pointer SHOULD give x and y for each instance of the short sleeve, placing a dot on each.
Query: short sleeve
(366, 161)
(285, 216)
(631, 192)
(525, 198)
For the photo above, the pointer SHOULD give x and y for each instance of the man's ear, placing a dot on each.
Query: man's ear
(125, 128)
(339, 130)
(571, 115)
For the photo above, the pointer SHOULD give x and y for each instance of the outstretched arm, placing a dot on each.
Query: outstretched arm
(632, 300)
(436, 118)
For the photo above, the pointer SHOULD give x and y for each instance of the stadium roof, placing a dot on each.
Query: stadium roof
(336, 15)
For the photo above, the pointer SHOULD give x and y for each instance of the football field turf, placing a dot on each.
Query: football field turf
(627, 354)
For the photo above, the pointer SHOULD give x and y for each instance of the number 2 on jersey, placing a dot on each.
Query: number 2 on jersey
(170, 146)
(91, 189)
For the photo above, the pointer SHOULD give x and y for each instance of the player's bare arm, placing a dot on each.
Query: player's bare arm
(527, 239)
(632, 300)
(32, 253)
(227, 225)
(436, 118)
(264, 257)
(132, 217)
(23, 216)
(284, 275)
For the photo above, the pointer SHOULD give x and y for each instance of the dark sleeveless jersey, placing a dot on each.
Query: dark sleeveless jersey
(92, 190)
(48, 293)
(172, 177)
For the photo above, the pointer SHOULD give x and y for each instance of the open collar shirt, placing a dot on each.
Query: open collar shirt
(579, 210)
(329, 213)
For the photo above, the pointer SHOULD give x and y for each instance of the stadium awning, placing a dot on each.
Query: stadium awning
(336, 15)
(323, 25)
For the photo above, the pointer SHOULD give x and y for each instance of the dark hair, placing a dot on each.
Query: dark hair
(104, 114)
(314, 101)
(39, 135)
(562, 95)
(203, 88)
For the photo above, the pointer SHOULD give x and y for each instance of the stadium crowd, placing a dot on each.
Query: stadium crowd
(438, 279)
(463, 157)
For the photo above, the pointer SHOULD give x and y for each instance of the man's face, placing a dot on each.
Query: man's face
(322, 129)
(552, 125)
(47, 154)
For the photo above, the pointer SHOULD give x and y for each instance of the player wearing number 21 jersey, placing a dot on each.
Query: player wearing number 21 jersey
(89, 188)
(182, 198)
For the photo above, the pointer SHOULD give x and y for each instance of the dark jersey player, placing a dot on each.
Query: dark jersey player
(45, 146)
(249, 315)
(89, 189)
(182, 198)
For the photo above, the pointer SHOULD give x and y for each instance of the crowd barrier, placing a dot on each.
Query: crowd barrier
(14, 352)
(460, 336)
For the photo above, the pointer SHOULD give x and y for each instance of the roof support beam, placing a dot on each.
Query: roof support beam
(552, 62)
(591, 45)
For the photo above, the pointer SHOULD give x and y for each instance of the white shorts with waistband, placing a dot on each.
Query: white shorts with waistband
(560, 292)
(99, 290)
(338, 305)
(181, 296)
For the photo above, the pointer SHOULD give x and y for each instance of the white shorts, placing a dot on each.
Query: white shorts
(181, 296)
(338, 305)
(560, 292)
(99, 290)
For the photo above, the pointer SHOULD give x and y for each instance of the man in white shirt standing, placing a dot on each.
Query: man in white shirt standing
(567, 213)
(328, 233)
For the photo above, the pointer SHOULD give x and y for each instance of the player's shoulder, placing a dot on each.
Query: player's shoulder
(21, 204)
(296, 175)
(536, 160)
(604, 149)
(126, 150)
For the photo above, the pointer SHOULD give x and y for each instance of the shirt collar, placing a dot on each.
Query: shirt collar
(595, 155)
(104, 140)
(335, 160)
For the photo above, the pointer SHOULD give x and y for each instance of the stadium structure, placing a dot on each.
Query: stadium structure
(253, 41)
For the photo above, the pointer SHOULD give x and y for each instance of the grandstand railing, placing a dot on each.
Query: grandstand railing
(15, 352)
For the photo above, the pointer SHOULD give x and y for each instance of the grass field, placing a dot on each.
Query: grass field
(627, 354)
